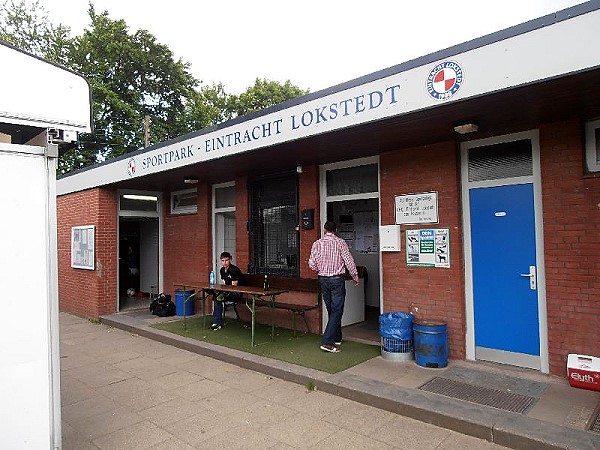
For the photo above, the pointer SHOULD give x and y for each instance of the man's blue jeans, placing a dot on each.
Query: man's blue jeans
(218, 305)
(333, 290)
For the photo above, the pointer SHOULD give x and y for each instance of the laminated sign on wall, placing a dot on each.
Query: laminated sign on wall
(428, 248)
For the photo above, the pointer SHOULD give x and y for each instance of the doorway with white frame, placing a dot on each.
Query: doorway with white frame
(224, 227)
(504, 259)
(350, 197)
(139, 242)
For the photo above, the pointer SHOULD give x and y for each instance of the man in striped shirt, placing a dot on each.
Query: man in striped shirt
(330, 257)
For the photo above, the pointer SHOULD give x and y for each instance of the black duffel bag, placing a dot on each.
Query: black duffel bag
(162, 306)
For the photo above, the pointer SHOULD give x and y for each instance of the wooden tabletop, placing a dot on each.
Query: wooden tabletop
(250, 290)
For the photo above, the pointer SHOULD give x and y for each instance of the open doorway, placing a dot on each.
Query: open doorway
(350, 197)
(139, 243)
(138, 262)
(358, 225)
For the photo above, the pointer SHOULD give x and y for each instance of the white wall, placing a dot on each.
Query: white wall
(29, 372)
(149, 256)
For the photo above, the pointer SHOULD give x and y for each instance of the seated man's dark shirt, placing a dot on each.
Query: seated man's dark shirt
(232, 274)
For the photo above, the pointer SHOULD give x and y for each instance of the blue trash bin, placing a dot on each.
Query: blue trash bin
(183, 307)
(396, 331)
(431, 343)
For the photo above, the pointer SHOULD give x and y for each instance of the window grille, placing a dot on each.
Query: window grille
(505, 160)
(273, 226)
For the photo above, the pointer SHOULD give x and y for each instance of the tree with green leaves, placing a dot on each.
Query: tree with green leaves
(132, 77)
(207, 106)
(263, 94)
(27, 26)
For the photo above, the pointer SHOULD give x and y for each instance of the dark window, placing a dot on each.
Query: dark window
(273, 225)
(352, 180)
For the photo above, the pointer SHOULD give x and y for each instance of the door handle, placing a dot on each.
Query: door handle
(532, 278)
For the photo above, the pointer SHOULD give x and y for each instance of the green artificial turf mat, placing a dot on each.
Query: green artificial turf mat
(302, 350)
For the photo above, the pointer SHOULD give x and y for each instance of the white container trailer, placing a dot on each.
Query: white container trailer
(42, 107)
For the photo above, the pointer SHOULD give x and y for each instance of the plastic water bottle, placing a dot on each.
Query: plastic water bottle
(211, 278)
(266, 284)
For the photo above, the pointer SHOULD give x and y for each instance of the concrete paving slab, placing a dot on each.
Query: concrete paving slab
(318, 404)
(252, 439)
(344, 439)
(105, 423)
(359, 418)
(199, 430)
(262, 413)
(98, 374)
(90, 407)
(140, 435)
(172, 444)
(405, 433)
(172, 411)
(301, 431)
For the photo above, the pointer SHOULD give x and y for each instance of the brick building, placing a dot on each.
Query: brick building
(481, 159)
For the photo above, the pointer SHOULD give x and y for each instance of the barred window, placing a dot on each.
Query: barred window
(273, 225)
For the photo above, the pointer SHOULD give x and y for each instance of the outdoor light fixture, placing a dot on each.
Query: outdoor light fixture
(466, 128)
(190, 180)
(150, 198)
(298, 169)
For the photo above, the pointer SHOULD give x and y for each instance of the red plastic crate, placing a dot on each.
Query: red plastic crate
(584, 371)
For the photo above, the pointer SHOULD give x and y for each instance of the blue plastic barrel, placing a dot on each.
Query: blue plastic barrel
(430, 343)
(180, 299)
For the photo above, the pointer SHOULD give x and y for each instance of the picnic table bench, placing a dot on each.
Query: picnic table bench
(282, 294)
(290, 299)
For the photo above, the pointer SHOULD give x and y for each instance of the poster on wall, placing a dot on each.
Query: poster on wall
(416, 208)
(428, 247)
(82, 247)
(365, 231)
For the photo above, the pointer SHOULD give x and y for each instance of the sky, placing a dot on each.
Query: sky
(313, 43)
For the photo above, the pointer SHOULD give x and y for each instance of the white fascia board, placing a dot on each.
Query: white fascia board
(37, 93)
(515, 61)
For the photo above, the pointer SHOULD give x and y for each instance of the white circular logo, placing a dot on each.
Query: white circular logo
(131, 167)
(444, 80)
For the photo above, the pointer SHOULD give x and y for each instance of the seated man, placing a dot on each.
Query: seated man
(231, 275)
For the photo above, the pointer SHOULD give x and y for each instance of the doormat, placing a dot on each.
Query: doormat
(595, 428)
(506, 401)
(499, 381)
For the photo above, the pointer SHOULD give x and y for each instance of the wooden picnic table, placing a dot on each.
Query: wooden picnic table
(252, 296)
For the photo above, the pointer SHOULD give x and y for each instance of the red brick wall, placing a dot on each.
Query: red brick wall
(571, 201)
(88, 293)
(187, 240)
(431, 293)
(242, 235)
(308, 182)
(309, 199)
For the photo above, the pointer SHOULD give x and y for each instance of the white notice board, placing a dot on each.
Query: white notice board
(82, 247)
(416, 208)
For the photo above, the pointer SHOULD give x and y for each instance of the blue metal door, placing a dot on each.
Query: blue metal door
(505, 295)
